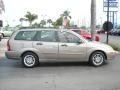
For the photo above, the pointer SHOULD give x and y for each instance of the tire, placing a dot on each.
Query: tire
(97, 58)
(30, 60)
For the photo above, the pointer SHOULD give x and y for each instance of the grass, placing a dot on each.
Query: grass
(115, 47)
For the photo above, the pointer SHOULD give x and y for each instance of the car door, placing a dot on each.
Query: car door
(71, 47)
(47, 45)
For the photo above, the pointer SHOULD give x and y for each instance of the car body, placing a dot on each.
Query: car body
(86, 34)
(119, 32)
(115, 32)
(34, 45)
(6, 32)
(100, 31)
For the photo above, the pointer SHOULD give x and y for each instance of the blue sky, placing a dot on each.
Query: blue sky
(80, 10)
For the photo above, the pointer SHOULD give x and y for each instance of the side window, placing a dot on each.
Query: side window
(48, 36)
(25, 35)
(37, 36)
(67, 37)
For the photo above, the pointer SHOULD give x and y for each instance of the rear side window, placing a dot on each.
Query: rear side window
(25, 35)
(46, 36)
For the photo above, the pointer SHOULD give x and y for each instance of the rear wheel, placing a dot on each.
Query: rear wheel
(97, 58)
(30, 59)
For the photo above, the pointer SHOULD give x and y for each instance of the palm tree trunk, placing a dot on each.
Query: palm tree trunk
(93, 19)
(30, 24)
(49, 24)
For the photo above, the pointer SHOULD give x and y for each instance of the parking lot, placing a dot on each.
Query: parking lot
(59, 76)
(112, 39)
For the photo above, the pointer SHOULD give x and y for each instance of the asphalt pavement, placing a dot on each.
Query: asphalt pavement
(59, 76)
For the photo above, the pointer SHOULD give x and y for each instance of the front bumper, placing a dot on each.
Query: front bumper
(112, 54)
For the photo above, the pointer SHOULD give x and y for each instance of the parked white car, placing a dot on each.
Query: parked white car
(7, 32)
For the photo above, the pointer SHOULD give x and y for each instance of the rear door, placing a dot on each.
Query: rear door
(46, 42)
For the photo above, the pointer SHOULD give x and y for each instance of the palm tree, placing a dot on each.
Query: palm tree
(49, 21)
(29, 17)
(66, 13)
(93, 18)
(21, 20)
(65, 16)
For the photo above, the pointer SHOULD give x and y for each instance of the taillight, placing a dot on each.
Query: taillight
(8, 46)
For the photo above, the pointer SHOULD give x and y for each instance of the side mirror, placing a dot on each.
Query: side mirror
(79, 42)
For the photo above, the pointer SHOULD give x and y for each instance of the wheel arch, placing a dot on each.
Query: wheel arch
(2, 35)
(30, 52)
(98, 51)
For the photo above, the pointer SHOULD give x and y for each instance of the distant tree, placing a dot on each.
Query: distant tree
(36, 25)
(29, 17)
(42, 23)
(98, 26)
(58, 22)
(49, 21)
(107, 26)
(83, 27)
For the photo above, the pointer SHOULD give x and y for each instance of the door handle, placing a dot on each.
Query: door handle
(39, 44)
(64, 45)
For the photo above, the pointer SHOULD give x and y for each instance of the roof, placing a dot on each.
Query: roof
(30, 29)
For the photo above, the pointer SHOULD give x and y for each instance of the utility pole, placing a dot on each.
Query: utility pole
(107, 21)
(93, 19)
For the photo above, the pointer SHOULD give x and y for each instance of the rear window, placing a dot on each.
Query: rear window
(25, 35)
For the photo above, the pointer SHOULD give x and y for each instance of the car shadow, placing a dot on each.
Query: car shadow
(16, 63)
(61, 64)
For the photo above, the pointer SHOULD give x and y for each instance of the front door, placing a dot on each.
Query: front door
(70, 48)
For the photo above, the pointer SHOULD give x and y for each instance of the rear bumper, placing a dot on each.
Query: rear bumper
(12, 55)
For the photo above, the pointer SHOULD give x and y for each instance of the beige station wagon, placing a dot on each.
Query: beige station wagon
(32, 46)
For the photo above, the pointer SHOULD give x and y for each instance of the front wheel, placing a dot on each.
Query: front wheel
(30, 59)
(97, 58)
